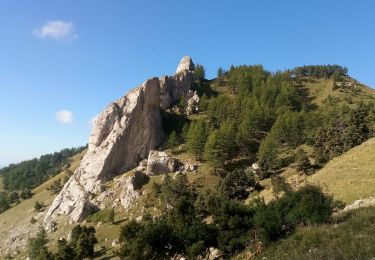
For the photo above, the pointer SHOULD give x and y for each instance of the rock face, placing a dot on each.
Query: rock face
(122, 136)
(131, 185)
(175, 87)
(160, 163)
(192, 103)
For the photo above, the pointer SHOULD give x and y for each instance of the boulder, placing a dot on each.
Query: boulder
(160, 163)
(131, 185)
(123, 135)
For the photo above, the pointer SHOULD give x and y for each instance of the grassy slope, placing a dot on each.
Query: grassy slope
(319, 89)
(348, 237)
(350, 176)
(18, 217)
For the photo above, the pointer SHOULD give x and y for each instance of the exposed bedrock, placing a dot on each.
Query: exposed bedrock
(122, 136)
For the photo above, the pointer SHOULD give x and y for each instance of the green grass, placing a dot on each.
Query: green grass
(17, 219)
(319, 89)
(349, 237)
(350, 176)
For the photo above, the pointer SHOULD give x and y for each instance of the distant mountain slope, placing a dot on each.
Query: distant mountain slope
(350, 176)
(16, 223)
(31, 173)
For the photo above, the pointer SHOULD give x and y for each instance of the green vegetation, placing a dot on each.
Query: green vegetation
(183, 229)
(81, 245)
(348, 237)
(105, 216)
(289, 123)
(18, 179)
(29, 174)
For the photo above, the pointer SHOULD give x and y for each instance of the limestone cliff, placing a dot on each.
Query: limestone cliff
(123, 135)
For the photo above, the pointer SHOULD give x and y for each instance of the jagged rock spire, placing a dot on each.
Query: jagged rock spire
(186, 63)
(123, 135)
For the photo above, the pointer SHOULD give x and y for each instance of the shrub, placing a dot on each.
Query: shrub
(309, 205)
(236, 184)
(105, 215)
(38, 206)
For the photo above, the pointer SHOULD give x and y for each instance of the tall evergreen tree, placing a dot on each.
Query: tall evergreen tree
(196, 138)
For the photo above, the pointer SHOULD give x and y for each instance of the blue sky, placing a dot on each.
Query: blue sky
(74, 57)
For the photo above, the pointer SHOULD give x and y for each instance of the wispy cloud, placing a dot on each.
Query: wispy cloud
(64, 116)
(56, 30)
(93, 120)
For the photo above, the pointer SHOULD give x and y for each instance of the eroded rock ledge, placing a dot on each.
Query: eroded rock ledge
(122, 136)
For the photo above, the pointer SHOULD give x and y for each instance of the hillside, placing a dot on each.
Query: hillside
(16, 223)
(350, 176)
(252, 128)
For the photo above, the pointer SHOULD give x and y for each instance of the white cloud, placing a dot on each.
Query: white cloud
(64, 116)
(56, 30)
(93, 120)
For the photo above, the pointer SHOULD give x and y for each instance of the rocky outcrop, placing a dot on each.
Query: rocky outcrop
(123, 135)
(131, 185)
(160, 163)
(173, 88)
(363, 203)
(192, 103)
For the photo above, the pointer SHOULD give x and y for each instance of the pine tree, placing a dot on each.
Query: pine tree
(303, 161)
(211, 151)
(267, 156)
(196, 138)
(172, 140)
(37, 247)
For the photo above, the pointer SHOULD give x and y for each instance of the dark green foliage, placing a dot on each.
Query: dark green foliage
(4, 202)
(268, 156)
(320, 71)
(233, 221)
(173, 122)
(349, 128)
(179, 231)
(64, 251)
(236, 185)
(38, 206)
(242, 79)
(200, 73)
(303, 162)
(13, 197)
(220, 109)
(201, 84)
(182, 104)
(83, 241)
(220, 75)
(196, 138)
(37, 247)
(184, 228)
(104, 215)
(31, 173)
(56, 186)
(26, 194)
(172, 140)
(279, 185)
(220, 145)
(203, 103)
(149, 240)
(289, 129)
(280, 217)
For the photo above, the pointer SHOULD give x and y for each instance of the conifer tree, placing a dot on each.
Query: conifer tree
(196, 138)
